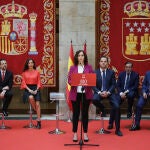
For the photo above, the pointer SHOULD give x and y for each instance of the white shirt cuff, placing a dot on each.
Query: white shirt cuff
(121, 93)
(99, 92)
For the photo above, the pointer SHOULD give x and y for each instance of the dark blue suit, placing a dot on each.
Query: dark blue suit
(132, 88)
(142, 101)
(8, 81)
(110, 86)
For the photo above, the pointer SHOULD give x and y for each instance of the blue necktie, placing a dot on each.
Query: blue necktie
(104, 81)
(127, 81)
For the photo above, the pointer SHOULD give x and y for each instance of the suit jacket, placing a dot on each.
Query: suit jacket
(133, 82)
(146, 83)
(8, 80)
(73, 91)
(110, 83)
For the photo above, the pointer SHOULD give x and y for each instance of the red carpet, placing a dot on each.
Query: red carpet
(33, 139)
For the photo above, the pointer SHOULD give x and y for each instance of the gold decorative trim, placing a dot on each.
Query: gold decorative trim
(48, 67)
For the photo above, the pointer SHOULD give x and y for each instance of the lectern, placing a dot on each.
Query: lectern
(57, 97)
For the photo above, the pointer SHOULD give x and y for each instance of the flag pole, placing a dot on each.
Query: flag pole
(68, 87)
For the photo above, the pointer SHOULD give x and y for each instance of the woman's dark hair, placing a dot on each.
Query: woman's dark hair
(76, 57)
(26, 64)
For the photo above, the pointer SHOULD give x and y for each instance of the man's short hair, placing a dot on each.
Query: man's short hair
(2, 60)
(128, 62)
(103, 57)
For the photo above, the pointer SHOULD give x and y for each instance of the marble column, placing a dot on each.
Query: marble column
(76, 23)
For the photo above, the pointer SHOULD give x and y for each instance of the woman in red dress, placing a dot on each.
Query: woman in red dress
(31, 83)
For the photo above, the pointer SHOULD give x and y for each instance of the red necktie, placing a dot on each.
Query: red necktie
(3, 75)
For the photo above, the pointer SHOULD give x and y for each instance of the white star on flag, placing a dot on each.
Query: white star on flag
(143, 24)
(139, 29)
(127, 24)
(131, 29)
(149, 24)
(146, 29)
(135, 24)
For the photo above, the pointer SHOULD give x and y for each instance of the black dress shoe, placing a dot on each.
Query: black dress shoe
(75, 140)
(129, 115)
(119, 133)
(38, 126)
(5, 113)
(86, 140)
(110, 126)
(103, 114)
(134, 128)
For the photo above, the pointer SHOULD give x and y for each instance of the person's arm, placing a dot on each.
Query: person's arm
(113, 83)
(10, 82)
(119, 88)
(39, 85)
(23, 82)
(95, 88)
(145, 84)
(136, 84)
(69, 75)
(91, 69)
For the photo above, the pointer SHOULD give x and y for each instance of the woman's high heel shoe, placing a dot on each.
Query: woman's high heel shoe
(75, 137)
(86, 139)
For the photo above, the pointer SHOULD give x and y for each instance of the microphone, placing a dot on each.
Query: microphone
(82, 88)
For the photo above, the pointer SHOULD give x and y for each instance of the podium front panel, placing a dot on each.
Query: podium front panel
(83, 79)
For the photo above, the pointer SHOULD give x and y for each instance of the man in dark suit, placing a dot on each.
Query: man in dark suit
(6, 82)
(127, 86)
(105, 89)
(145, 96)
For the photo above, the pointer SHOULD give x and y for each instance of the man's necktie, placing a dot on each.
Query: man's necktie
(104, 81)
(127, 82)
(3, 75)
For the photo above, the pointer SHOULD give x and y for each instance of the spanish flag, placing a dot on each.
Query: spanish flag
(84, 46)
(68, 87)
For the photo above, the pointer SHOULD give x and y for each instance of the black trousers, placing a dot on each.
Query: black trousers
(76, 112)
(7, 99)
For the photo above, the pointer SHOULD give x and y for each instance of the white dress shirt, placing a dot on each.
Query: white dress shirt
(80, 70)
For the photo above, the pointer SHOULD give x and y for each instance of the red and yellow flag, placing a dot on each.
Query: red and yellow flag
(68, 87)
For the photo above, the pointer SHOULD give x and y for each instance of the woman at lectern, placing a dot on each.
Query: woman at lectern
(80, 66)
(31, 83)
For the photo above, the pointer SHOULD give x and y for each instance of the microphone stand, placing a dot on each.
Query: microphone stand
(81, 143)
